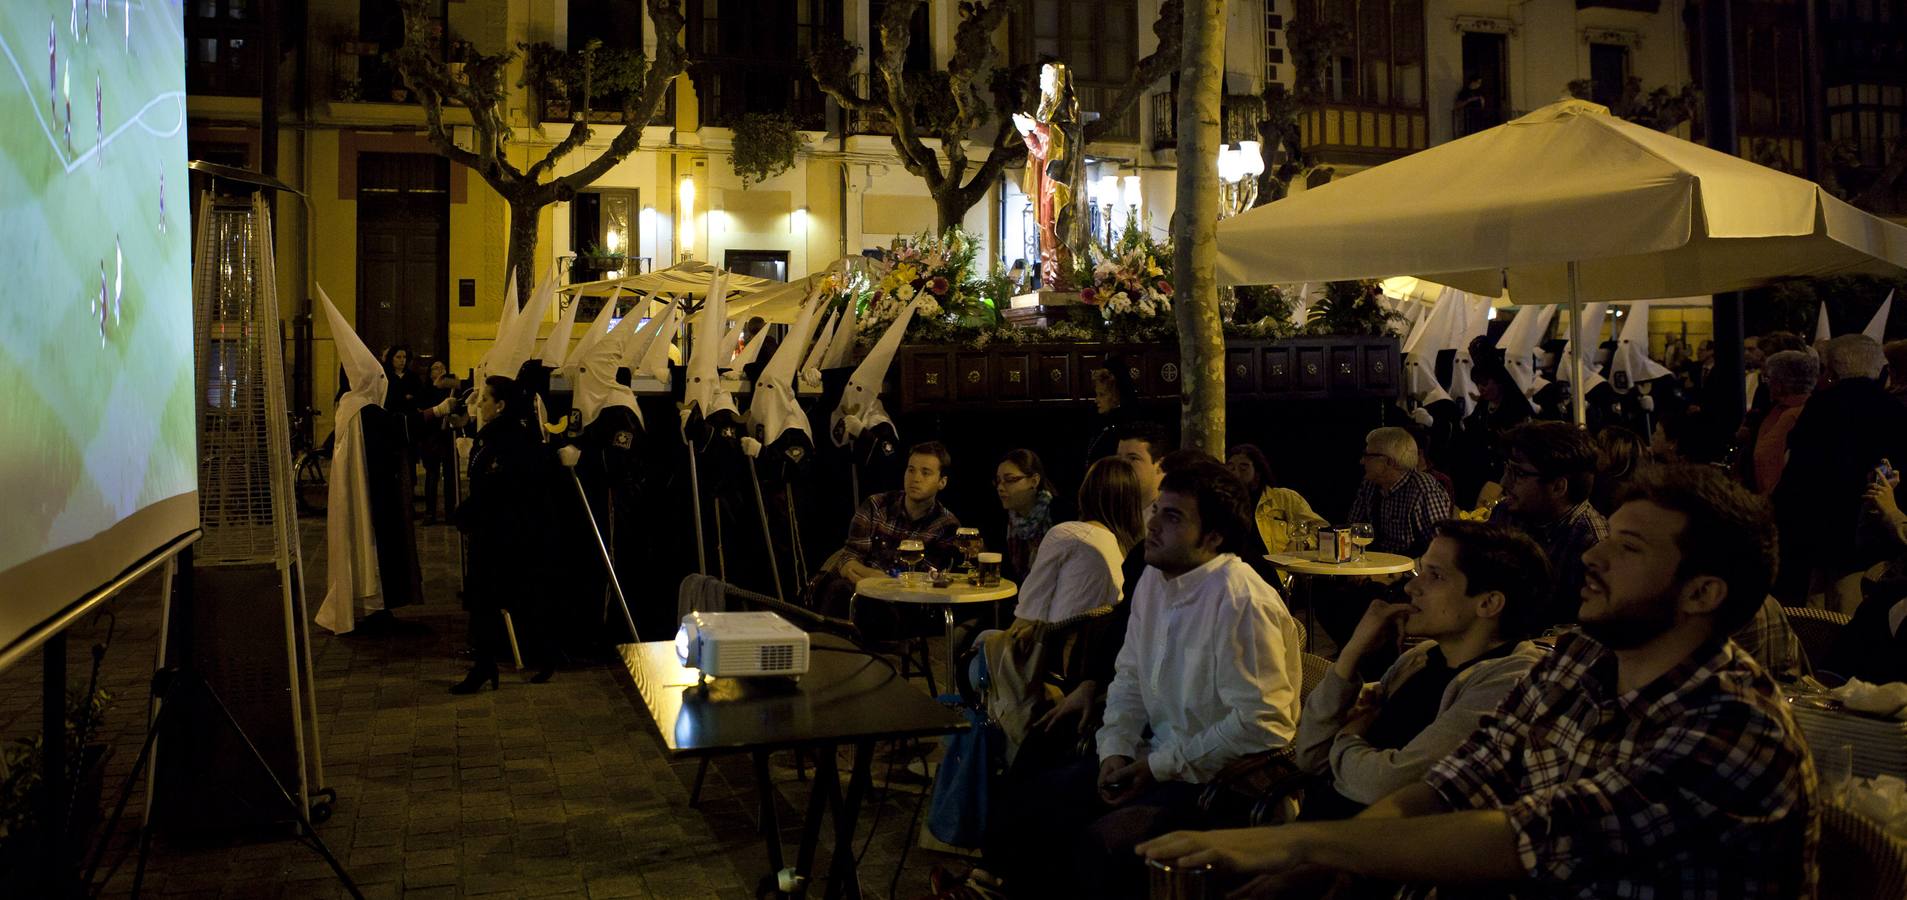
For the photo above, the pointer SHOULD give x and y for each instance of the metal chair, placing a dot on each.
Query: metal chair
(1817, 630)
(1859, 861)
(1315, 667)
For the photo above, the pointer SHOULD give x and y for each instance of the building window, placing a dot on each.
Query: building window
(750, 56)
(604, 233)
(1274, 43)
(1866, 117)
(1096, 39)
(1608, 72)
(1380, 60)
(617, 23)
(223, 41)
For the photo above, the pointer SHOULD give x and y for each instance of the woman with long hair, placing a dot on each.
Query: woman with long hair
(1275, 510)
(1078, 567)
(1020, 482)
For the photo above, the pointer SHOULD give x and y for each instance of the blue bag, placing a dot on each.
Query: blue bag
(963, 784)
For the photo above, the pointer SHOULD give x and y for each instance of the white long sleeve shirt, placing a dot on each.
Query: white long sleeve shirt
(1077, 570)
(1211, 662)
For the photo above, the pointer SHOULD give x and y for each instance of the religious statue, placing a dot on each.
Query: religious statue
(1055, 173)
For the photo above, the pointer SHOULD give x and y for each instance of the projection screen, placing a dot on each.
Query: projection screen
(97, 444)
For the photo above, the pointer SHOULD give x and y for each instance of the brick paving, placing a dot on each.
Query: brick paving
(553, 790)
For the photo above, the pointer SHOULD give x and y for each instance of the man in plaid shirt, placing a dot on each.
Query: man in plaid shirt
(1646, 757)
(914, 511)
(1401, 501)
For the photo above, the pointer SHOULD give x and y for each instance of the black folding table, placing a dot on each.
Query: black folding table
(848, 696)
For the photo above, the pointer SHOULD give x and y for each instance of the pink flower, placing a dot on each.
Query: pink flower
(1165, 287)
(1089, 295)
(938, 285)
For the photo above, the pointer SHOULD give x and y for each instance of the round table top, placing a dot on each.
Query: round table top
(1373, 563)
(893, 591)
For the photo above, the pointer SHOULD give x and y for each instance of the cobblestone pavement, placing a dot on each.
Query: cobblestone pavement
(553, 790)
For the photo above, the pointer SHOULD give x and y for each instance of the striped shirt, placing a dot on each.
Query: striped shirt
(1694, 785)
(881, 523)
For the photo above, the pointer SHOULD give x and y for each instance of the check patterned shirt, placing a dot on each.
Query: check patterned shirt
(1696, 785)
(881, 523)
(1564, 542)
(1403, 515)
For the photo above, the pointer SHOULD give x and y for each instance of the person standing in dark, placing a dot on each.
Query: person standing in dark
(501, 518)
(434, 439)
(1845, 432)
(1473, 108)
(1115, 405)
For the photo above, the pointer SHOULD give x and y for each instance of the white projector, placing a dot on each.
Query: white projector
(741, 644)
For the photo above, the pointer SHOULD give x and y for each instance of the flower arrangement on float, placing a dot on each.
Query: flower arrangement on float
(1131, 284)
(934, 271)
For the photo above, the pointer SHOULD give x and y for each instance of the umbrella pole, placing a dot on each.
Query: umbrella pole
(1575, 345)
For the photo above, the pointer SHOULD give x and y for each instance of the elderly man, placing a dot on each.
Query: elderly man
(1399, 499)
(1546, 485)
(1842, 436)
(1646, 756)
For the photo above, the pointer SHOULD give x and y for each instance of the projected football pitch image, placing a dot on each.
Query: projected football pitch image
(96, 378)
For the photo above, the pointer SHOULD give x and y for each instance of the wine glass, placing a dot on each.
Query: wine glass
(1362, 536)
(968, 541)
(910, 552)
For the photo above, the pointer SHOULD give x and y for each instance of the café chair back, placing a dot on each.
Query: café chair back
(1858, 860)
(1817, 629)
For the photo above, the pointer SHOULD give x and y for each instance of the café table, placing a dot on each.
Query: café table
(955, 594)
(849, 695)
(1371, 563)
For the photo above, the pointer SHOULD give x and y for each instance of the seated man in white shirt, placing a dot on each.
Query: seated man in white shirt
(1209, 673)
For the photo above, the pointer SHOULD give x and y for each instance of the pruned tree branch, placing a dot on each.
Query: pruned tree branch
(1169, 28)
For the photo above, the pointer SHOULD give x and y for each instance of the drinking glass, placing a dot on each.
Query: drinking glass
(910, 552)
(969, 542)
(1362, 536)
(989, 571)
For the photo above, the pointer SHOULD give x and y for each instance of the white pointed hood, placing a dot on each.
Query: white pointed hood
(704, 390)
(774, 411)
(1632, 365)
(860, 407)
(1301, 304)
(516, 341)
(1432, 334)
(1518, 344)
(750, 351)
(841, 346)
(591, 335)
(366, 374)
(595, 363)
(554, 350)
(647, 353)
(1585, 336)
(1877, 326)
(1821, 330)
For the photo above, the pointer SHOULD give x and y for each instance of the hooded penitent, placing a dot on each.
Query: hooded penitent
(775, 417)
(355, 585)
(1632, 365)
(1519, 348)
(1431, 335)
(860, 410)
(1585, 333)
(704, 399)
(598, 355)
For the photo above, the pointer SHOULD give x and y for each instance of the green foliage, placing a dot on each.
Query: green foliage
(21, 769)
(1350, 307)
(765, 146)
(1260, 311)
(1660, 109)
(613, 75)
(1792, 305)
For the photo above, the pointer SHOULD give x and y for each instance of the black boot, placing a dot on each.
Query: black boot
(473, 682)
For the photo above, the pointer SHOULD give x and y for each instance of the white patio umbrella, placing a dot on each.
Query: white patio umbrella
(1566, 204)
(689, 277)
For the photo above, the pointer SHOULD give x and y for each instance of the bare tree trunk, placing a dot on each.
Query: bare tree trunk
(522, 251)
(1195, 231)
(950, 209)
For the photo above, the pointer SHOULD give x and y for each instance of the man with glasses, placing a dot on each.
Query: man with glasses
(1546, 484)
(1400, 500)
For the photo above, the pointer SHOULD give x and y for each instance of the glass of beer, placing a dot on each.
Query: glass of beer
(988, 574)
(910, 552)
(1170, 882)
(1361, 536)
(969, 543)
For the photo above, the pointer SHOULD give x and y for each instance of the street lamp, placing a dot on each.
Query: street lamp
(1108, 190)
(1238, 171)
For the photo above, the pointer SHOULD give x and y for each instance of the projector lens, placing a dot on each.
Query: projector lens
(685, 645)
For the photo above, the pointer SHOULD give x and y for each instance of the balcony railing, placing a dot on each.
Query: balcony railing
(1363, 134)
(1239, 116)
(728, 88)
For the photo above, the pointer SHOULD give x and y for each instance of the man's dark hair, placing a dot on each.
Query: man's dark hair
(1556, 450)
(1497, 558)
(1221, 500)
(935, 449)
(1183, 458)
(1151, 432)
(1730, 534)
